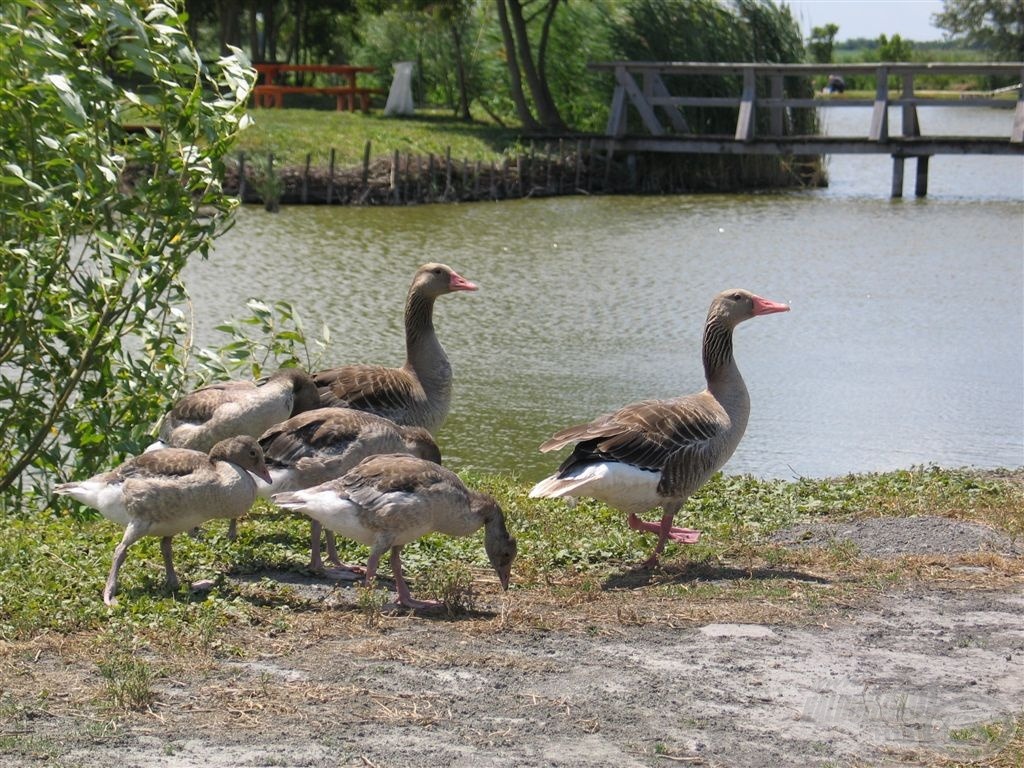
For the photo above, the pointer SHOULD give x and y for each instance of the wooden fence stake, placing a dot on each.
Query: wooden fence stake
(241, 176)
(304, 194)
(330, 179)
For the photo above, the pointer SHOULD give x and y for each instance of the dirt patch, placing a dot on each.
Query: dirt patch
(635, 675)
(892, 536)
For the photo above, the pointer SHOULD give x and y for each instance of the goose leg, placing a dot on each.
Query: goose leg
(131, 535)
(316, 563)
(665, 531)
(172, 577)
(371, 568)
(404, 596)
(232, 529)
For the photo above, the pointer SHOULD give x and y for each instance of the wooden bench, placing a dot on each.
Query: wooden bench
(270, 92)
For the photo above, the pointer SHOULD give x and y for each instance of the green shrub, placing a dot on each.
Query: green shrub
(112, 132)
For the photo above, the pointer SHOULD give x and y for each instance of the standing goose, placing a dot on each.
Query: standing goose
(656, 453)
(324, 444)
(229, 408)
(171, 490)
(419, 393)
(387, 501)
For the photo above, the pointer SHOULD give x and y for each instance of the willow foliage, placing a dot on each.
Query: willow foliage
(709, 30)
(112, 132)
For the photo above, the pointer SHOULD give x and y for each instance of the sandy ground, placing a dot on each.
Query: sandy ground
(906, 676)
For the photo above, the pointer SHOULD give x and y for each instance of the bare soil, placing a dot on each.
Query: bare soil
(912, 656)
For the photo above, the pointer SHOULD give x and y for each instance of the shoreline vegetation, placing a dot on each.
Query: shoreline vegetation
(53, 563)
(315, 156)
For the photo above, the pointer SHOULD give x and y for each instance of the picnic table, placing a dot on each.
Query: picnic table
(274, 80)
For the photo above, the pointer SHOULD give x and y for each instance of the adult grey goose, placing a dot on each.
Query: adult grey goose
(656, 453)
(171, 490)
(206, 416)
(389, 500)
(324, 444)
(419, 392)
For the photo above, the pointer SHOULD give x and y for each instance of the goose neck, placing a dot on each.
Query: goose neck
(421, 345)
(717, 349)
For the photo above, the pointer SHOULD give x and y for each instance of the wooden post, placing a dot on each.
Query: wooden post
(579, 165)
(921, 182)
(304, 194)
(897, 176)
(448, 171)
(909, 118)
(271, 198)
(548, 177)
(777, 112)
(330, 177)
(590, 168)
(745, 121)
(1017, 131)
(241, 176)
(430, 177)
(880, 114)
(366, 163)
(561, 165)
(394, 176)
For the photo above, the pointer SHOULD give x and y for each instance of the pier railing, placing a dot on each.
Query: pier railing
(643, 87)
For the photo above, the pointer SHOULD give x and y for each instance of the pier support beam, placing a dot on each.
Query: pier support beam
(897, 176)
(920, 179)
(921, 182)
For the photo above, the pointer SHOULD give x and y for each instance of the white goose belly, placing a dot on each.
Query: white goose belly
(624, 487)
(353, 522)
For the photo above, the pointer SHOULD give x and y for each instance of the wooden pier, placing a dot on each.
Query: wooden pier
(643, 87)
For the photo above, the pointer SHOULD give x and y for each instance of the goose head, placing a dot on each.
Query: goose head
(244, 452)
(735, 305)
(420, 443)
(433, 280)
(500, 546)
(306, 397)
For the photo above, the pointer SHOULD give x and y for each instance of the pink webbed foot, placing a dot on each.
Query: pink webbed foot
(666, 529)
(684, 535)
(414, 604)
(342, 572)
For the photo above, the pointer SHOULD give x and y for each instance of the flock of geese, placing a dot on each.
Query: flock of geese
(353, 449)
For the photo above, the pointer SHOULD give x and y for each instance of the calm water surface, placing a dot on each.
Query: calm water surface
(904, 346)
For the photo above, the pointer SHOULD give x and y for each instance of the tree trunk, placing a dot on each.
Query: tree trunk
(547, 112)
(514, 76)
(460, 70)
(229, 31)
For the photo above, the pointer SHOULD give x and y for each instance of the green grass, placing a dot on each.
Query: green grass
(53, 565)
(292, 133)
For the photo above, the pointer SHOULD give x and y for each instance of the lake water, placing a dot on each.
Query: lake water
(903, 347)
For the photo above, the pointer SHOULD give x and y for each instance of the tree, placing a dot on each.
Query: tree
(524, 65)
(994, 25)
(894, 49)
(821, 43)
(112, 132)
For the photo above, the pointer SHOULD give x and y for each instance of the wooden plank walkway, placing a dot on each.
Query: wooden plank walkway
(641, 86)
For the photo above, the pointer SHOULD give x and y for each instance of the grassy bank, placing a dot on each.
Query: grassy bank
(77, 675)
(52, 565)
(291, 134)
